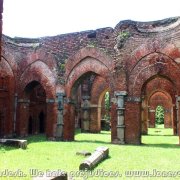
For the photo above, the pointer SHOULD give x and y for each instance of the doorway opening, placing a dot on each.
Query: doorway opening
(159, 115)
(36, 96)
(90, 103)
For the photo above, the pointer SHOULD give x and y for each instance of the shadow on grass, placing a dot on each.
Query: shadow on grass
(173, 146)
(159, 135)
(161, 128)
(4, 148)
(105, 132)
(96, 166)
(36, 138)
(91, 141)
(78, 131)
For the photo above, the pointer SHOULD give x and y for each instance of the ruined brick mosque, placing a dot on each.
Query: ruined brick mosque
(52, 84)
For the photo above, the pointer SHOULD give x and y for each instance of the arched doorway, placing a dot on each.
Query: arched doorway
(104, 110)
(159, 115)
(36, 98)
(81, 96)
(7, 90)
(87, 105)
(87, 63)
(160, 109)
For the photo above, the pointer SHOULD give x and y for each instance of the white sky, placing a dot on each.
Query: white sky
(37, 18)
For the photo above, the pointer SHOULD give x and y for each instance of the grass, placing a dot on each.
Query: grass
(159, 151)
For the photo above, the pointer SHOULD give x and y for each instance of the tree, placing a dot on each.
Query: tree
(159, 115)
(107, 105)
(107, 101)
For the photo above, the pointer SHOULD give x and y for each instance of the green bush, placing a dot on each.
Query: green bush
(159, 115)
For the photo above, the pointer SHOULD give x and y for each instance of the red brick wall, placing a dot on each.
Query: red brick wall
(99, 88)
(133, 123)
(134, 57)
(1, 20)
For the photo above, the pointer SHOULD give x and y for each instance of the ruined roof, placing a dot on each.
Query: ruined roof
(151, 26)
(141, 27)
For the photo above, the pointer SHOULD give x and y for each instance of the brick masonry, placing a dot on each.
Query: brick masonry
(140, 58)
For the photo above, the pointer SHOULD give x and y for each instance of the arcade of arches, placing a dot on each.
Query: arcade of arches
(53, 85)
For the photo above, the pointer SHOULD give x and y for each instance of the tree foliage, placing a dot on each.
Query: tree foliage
(107, 106)
(107, 101)
(159, 115)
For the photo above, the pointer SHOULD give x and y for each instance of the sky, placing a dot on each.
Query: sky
(38, 18)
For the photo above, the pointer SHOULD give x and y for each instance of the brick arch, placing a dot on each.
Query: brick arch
(39, 55)
(10, 59)
(7, 85)
(99, 88)
(169, 50)
(87, 60)
(88, 52)
(160, 91)
(158, 84)
(164, 99)
(161, 84)
(39, 71)
(150, 66)
(7, 71)
(6, 67)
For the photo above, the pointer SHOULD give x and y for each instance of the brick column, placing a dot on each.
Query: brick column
(144, 117)
(69, 120)
(168, 118)
(23, 115)
(152, 118)
(60, 123)
(95, 122)
(120, 95)
(1, 11)
(177, 116)
(85, 114)
(15, 113)
(133, 120)
(51, 119)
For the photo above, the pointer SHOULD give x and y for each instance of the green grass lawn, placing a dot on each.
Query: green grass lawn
(159, 151)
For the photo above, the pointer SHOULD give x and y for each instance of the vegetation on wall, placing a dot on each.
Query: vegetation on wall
(121, 38)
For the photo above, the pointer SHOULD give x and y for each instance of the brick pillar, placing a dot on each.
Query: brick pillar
(152, 118)
(15, 113)
(8, 110)
(85, 125)
(177, 117)
(120, 95)
(60, 122)
(51, 119)
(133, 120)
(113, 120)
(144, 117)
(95, 122)
(1, 11)
(167, 118)
(22, 116)
(69, 120)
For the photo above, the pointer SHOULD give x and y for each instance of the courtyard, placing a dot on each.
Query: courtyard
(159, 152)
